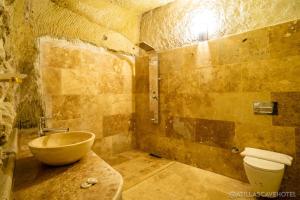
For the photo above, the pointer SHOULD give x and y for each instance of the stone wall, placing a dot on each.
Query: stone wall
(88, 88)
(8, 91)
(184, 21)
(106, 14)
(35, 18)
(206, 96)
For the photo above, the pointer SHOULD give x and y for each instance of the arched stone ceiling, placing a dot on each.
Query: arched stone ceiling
(120, 15)
(139, 6)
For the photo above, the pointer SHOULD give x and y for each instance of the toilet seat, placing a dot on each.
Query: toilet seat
(261, 164)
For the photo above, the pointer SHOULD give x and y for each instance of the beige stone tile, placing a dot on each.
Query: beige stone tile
(117, 104)
(144, 125)
(163, 83)
(142, 103)
(243, 47)
(231, 106)
(110, 63)
(219, 106)
(104, 62)
(142, 84)
(103, 147)
(51, 81)
(199, 105)
(226, 106)
(62, 57)
(65, 107)
(172, 103)
(112, 83)
(223, 78)
(44, 50)
(273, 138)
(183, 81)
(140, 167)
(128, 67)
(117, 159)
(117, 124)
(79, 82)
(146, 142)
(92, 106)
(128, 84)
(143, 116)
(207, 54)
(187, 183)
(171, 148)
(177, 59)
(142, 65)
(90, 58)
(132, 154)
(93, 124)
(72, 124)
(285, 39)
(280, 74)
(121, 142)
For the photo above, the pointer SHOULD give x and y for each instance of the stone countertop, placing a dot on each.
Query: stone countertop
(36, 181)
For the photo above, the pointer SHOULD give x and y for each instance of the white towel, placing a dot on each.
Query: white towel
(268, 155)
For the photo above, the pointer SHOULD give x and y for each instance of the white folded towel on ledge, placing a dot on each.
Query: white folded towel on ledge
(268, 155)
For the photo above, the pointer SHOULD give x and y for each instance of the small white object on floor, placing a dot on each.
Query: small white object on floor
(85, 185)
(92, 181)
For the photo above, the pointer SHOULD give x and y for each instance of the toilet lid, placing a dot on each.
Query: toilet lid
(263, 164)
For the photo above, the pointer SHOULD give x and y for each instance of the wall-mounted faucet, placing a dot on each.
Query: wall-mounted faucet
(43, 128)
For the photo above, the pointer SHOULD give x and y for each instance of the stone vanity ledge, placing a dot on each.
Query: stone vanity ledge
(36, 181)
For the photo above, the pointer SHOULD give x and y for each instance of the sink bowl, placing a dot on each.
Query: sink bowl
(62, 148)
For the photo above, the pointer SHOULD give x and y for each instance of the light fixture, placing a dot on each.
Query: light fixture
(203, 22)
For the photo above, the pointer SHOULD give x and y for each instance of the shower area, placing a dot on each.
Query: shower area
(171, 102)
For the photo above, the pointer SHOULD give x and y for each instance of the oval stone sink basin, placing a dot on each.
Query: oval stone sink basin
(62, 148)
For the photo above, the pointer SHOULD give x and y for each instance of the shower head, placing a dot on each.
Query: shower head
(145, 46)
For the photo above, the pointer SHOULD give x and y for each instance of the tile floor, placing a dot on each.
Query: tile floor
(150, 178)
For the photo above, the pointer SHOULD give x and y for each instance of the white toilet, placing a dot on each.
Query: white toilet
(264, 170)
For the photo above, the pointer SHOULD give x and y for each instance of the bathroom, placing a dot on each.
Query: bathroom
(150, 100)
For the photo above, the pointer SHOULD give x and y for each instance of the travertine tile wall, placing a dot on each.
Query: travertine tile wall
(88, 88)
(32, 19)
(207, 91)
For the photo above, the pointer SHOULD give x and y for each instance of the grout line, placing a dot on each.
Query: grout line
(151, 174)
